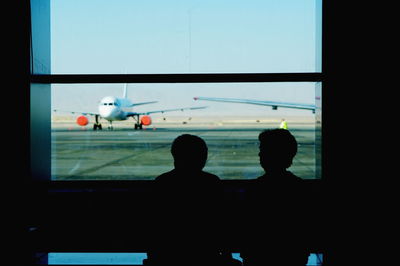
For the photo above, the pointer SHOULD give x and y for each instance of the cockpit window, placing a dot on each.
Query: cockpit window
(114, 103)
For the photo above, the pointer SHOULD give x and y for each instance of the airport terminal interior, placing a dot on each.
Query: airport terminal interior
(112, 84)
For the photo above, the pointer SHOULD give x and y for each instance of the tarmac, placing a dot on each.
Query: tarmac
(80, 153)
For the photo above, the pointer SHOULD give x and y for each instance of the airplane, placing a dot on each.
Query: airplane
(274, 105)
(114, 109)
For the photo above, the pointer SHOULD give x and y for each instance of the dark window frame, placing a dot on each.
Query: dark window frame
(38, 193)
(172, 78)
(177, 78)
(317, 76)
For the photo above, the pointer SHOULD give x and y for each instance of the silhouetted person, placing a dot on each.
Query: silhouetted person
(188, 222)
(275, 232)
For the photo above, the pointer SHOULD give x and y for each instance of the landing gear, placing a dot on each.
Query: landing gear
(97, 125)
(110, 126)
(138, 124)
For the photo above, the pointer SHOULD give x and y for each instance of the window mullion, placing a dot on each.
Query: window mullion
(178, 78)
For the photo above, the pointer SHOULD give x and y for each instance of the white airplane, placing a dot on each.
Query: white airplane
(274, 105)
(115, 109)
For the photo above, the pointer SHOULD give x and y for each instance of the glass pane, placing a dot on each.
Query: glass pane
(40, 58)
(96, 258)
(129, 258)
(40, 131)
(156, 36)
(139, 147)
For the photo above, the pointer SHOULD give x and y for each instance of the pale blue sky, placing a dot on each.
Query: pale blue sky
(197, 36)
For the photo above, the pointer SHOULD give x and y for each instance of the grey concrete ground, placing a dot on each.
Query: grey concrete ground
(127, 154)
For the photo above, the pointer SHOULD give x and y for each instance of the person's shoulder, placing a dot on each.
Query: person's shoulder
(262, 177)
(210, 176)
(283, 179)
(165, 176)
(294, 177)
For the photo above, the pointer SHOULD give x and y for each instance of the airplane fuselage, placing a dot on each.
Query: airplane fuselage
(111, 108)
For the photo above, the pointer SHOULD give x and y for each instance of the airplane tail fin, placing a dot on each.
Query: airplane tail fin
(125, 96)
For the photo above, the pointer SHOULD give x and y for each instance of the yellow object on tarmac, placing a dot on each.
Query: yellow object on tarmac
(283, 125)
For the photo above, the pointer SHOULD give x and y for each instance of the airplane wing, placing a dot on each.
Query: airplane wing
(166, 110)
(136, 104)
(76, 112)
(274, 105)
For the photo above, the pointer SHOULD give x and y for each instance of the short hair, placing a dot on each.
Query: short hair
(279, 144)
(189, 149)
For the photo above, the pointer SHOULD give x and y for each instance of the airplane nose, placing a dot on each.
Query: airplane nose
(105, 111)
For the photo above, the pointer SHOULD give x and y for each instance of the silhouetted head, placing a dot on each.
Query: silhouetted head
(277, 149)
(189, 152)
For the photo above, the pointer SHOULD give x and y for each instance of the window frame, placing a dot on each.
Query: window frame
(180, 78)
(38, 193)
(317, 76)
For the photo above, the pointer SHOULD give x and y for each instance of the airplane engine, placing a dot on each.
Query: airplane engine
(82, 120)
(145, 120)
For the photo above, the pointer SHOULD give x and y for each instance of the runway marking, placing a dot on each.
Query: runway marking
(96, 168)
(76, 167)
